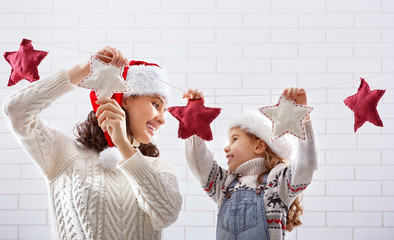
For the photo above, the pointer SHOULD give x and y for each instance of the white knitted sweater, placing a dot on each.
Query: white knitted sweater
(88, 201)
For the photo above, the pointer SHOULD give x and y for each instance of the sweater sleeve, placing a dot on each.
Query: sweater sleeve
(298, 175)
(211, 176)
(156, 187)
(22, 109)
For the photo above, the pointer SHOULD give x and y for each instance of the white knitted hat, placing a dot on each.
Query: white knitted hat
(256, 123)
(146, 79)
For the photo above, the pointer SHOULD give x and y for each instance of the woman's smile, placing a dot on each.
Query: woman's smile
(152, 128)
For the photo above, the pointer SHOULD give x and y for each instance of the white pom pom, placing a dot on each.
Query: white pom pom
(109, 158)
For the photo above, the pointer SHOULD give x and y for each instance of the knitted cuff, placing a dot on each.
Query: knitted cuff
(137, 167)
(193, 141)
(309, 130)
(57, 84)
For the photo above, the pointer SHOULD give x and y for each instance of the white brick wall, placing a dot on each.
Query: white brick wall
(224, 47)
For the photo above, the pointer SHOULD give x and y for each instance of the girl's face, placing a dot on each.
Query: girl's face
(145, 115)
(241, 149)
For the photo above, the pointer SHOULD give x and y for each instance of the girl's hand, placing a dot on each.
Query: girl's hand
(296, 94)
(193, 94)
(112, 119)
(115, 56)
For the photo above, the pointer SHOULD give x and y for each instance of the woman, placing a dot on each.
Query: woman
(88, 200)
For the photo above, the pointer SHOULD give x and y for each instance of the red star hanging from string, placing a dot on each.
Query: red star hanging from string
(364, 104)
(194, 119)
(24, 62)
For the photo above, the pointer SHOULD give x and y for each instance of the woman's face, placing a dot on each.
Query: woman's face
(146, 115)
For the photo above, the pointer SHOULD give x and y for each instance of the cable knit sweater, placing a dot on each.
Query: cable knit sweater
(88, 201)
(284, 182)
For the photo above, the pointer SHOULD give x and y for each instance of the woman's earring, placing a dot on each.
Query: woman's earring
(135, 143)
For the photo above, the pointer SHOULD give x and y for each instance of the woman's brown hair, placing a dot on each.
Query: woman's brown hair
(92, 136)
(270, 161)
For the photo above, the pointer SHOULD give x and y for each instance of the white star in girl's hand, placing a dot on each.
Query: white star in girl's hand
(104, 78)
(286, 117)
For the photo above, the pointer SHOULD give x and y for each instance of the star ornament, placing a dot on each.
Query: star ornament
(195, 119)
(24, 63)
(104, 78)
(364, 104)
(287, 117)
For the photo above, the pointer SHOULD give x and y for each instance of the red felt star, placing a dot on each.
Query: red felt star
(364, 104)
(24, 62)
(194, 119)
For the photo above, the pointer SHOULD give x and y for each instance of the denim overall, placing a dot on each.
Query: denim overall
(242, 215)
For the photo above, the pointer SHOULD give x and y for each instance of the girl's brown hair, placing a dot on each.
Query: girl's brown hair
(92, 136)
(270, 161)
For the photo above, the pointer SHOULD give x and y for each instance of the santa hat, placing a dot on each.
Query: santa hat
(260, 126)
(145, 79)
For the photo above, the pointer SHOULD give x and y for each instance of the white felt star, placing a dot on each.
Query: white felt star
(104, 78)
(286, 117)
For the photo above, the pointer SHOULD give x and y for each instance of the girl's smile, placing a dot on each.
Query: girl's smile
(240, 149)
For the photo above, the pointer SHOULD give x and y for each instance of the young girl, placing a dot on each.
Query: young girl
(88, 200)
(257, 195)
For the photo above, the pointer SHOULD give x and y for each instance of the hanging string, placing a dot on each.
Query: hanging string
(183, 90)
(73, 49)
(338, 84)
(379, 74)
(95, 54)
(219, 95)
(307, 90)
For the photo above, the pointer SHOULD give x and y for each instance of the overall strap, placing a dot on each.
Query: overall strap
(233, 183)
(265, 178)
(231, 186)
(260, 186)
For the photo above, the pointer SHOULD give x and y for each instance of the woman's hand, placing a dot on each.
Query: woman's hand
(113, 56)
(296, 94)
(112, 119)
(193, 94)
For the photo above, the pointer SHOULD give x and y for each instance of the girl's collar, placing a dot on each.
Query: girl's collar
(251, 167)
